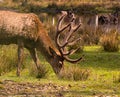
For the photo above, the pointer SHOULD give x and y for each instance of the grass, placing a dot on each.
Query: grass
(104, 78)
(99, 59)
(6, 59)
(74, 73)
(110, 41)
(53, 6)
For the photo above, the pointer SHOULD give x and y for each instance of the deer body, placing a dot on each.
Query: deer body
(18, 26)
(26, 30)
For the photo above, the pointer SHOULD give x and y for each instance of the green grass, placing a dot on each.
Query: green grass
(104, 77)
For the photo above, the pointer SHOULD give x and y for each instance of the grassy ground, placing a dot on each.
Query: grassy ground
(104, 74)
(53, 6)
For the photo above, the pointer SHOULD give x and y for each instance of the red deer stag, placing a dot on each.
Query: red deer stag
(26, 30)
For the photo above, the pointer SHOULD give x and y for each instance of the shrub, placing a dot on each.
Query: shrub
(110, 41)
(74, 73)
(38, 73)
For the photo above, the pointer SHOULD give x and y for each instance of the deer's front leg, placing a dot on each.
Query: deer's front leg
(20, 58)
(34, 57)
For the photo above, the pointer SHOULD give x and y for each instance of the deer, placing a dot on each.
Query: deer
(27, 31)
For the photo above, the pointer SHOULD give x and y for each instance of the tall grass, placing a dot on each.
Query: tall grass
(8, 59)
(91, 36)
(8, 62)
(110, 41)
(40, 72)
(74, 73)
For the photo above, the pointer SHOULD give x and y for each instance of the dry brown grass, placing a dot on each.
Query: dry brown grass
(74, 73)
(77, 5)
(110, 41)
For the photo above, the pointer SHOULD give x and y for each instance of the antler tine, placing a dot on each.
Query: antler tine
(73, 60)
(74, 28)
(73, 42)
(60, 29)
(77, 27)
(71, 52)
(58, 33)
(65, 41)
(71, 30)
(58, 43)
(71, 27)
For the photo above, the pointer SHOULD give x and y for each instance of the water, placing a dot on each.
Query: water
(87, 22)
(90, 31)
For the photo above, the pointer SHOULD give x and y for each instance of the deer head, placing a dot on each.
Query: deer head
(69, 28)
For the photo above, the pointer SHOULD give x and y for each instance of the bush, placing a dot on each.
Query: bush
(38, 73)
(110, 41)
(74, 73)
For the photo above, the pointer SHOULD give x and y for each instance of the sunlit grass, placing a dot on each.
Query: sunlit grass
(104, 77)
(93, 48)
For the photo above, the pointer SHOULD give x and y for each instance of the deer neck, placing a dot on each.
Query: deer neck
(43, 44)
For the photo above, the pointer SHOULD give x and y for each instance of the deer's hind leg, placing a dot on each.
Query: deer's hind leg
(20, 57)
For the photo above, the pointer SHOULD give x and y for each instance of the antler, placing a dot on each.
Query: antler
(72, 28)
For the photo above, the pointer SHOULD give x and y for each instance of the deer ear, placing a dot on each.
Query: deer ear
(52, 52)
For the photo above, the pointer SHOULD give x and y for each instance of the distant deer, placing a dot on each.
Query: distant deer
(26, 30)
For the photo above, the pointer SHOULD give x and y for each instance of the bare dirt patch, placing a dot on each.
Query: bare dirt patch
(9, 88)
